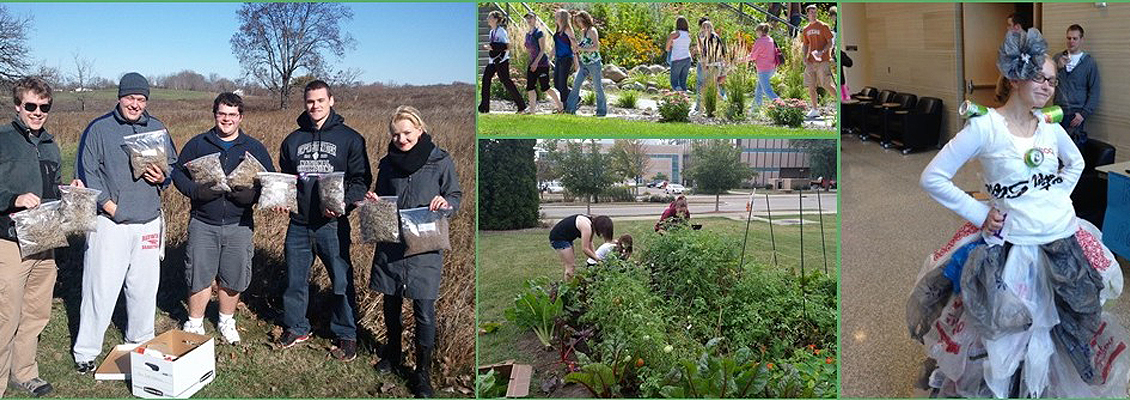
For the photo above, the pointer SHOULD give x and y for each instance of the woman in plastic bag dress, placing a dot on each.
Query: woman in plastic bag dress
(1012, 305)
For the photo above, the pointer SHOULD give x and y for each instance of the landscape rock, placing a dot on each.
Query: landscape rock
(614, 73)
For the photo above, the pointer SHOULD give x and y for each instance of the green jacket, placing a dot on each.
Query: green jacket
(28, 164)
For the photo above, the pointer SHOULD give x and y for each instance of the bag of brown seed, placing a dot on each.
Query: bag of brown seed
(40, 229)
(424, 230)
(331, 190)
(244, 174)
(208, 171)
(148, 148)
(278, 190)
(379, 220)
(79, 209)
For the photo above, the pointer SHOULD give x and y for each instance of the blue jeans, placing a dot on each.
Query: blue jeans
(680, 71)
(593, 70)
(764, 87)
(330, 241)
(561, 75)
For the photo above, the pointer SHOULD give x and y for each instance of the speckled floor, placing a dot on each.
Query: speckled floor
(889, 225)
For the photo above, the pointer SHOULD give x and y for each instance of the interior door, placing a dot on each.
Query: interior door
(983, 29)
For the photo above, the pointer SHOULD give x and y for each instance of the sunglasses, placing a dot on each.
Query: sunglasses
(30, 107)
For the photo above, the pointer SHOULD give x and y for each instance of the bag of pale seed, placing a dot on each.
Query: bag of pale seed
(40, 229)
(208, 171)
(148, 148)
(278, 190)
(79, 209)
(331, 190)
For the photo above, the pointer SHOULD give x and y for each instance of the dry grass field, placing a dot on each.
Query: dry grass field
(447, 110)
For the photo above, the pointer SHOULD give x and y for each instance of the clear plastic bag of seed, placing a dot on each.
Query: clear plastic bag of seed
(379, 220)
(245, 173)
(331, 190)
(148, 148)
(40, 229)
(278, 190)
(208, 171)
(424, 230)
(79, 210)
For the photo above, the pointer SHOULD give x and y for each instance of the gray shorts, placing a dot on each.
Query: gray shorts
(218, 250)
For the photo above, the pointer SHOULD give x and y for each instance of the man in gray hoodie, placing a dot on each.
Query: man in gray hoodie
(127, 246)
(1078, 88)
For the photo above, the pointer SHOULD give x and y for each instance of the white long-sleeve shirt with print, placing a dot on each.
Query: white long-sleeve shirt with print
(1036, 200)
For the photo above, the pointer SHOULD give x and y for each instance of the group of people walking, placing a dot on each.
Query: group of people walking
(576, 53)
(124, 252)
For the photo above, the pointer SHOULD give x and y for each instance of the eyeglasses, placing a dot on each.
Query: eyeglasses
(221, 115)
(30, 107)
(1041, 79)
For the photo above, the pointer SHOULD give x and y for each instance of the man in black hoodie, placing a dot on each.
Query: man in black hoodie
(322, 144)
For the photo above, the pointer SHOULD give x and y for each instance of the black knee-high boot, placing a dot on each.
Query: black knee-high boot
(392, 358)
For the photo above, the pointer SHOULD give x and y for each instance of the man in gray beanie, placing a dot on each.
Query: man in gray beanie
(127, 246)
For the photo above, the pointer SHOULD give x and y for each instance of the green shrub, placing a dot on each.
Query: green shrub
(508, 195)
(786, 112)
(674, 107)
(627, 99)
(617, 193)
(588, 98)
(660, 198)
(710, 98)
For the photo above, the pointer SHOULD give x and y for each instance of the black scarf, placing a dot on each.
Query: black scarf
(407, 162)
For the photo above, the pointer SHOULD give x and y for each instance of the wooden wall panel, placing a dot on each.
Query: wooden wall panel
(1108, 40)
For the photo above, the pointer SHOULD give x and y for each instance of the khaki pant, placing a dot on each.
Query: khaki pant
(26, 286)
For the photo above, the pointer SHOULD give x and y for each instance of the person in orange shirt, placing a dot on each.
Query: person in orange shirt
(817, 39)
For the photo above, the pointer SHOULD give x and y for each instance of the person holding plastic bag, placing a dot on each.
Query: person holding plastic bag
(420, 174)
(29, 175)
(126, 248)
(220, 228)
(1017, 295)
(321, 146)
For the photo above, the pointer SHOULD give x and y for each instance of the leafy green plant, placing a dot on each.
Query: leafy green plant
(487, 386)
(627, 99)
(787, 112)
(588, 98)
(739, 375)
(598, 378)
(710, 98)
(536, 308)
(674, 107)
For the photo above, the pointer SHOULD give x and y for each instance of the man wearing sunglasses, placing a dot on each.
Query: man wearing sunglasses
(126, 247)
(29, 175)
(1078, 89)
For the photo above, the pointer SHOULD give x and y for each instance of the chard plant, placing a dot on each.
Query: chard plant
(536, 308)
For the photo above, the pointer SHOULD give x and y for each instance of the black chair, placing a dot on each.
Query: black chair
(1089, 196)
(877, 122)
(851, 110)
(916, 128)
(869, 109)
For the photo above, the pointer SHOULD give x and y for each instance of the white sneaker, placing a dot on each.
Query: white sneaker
(228, 331)
(197, 328)
(813, 113)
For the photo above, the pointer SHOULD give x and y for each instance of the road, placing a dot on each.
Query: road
(781, 204)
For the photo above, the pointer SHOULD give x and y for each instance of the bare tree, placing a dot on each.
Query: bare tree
(14, 50)
(276, 40)
(84, 74)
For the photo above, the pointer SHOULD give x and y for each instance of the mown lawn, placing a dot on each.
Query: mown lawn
(507, 259)
(574, 126)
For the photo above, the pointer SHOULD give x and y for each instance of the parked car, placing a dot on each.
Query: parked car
(674, 188)
(553, 187)
(822, 183)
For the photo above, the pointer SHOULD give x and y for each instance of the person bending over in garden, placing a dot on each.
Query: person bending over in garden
(1025, 278)
(817, 52)
(420, 174)
(563, 42)
(622, 246)
(679, 47)
(764, 57)
(498, 61)
(581, 226)
(676, 213)
(588, 50)
(538, 72)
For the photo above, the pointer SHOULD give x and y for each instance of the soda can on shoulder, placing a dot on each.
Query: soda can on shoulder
(969, 109)
(1052, 114)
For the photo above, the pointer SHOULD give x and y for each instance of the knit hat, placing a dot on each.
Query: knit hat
(133, 83)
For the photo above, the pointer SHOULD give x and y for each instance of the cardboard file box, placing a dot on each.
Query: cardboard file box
(175, 364)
